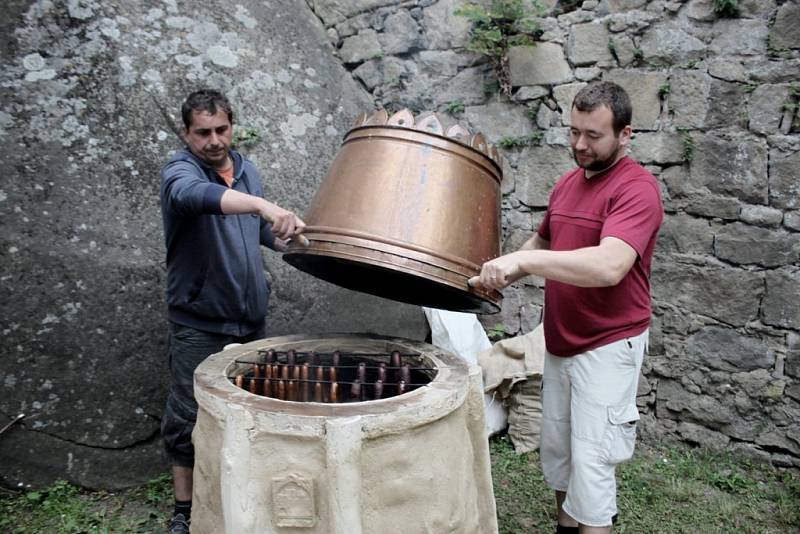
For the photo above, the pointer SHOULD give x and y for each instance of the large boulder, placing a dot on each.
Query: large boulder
(90, 110)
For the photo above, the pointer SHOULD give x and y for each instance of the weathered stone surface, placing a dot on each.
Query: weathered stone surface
(781, 439)
(761, 215)
(745, 244)
(774, 70)
(702, 436)
(784, 179)
(468, 87)
(401, 34)
(785, 32)
(780, 300)
(745, 37)
(728, 69)
(619, 6)
(731, 164)
(361, 47)
(565, 95)
(674, 402)
(701, 10)
(587, 45)
(82, 222)
(667, 43)
(727, 350)
(705, 205)
(539, 169)
(642, 87)
(528, 93)
(624, 49)
(497, 120)
(335, 11)
(689, 98)
(443, 28)
(543, 64)
(725, 106)
(685, 234)
(791, 220)
(662, 148)
(439, 62)
(727, 294)
(370, 74)
(767, 107)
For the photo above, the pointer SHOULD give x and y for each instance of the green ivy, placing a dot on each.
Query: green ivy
(534, 138)
(505, 23)
(456, 107)
(688, 144)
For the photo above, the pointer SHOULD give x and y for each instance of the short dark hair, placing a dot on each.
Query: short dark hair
(205, 100)
(597, 94)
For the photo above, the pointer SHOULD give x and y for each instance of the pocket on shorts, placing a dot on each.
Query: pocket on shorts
(620, 437)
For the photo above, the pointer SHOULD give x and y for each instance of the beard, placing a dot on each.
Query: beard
(598, 164)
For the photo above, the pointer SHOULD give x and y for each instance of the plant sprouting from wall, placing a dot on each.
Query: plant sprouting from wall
(455, 107)
(245, 136)
(663, 91)
(688, 144)
(726, 8)
(505, 23)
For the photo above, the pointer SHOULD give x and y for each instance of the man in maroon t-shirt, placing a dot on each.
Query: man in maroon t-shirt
(594, 248)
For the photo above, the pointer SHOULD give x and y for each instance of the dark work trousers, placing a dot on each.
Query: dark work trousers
(187, 348)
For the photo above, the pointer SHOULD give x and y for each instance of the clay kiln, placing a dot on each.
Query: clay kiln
(343, 460)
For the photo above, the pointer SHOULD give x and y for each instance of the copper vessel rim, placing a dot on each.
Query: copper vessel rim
(494, 163)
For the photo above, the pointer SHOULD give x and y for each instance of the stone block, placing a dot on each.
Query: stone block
(727, 294)
(733, 164)
(401, 34)
(468, 87)
(785, 32)
(538, 170)
(443, 29)
(565, 95)
(643, 88)
(761, 215)
(745, 244)
(667, 43)
(497, 120)
(685, 234)
(784, 179)
(588, 45)
(661, 148)
(542, 64)
(780, 300)
(728, 350)
(766, 104)
(704, 437)
(739, 36)
(791, 220)
(689, 98)
(360, 47)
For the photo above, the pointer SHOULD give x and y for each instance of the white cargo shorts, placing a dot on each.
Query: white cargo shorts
(589, 425)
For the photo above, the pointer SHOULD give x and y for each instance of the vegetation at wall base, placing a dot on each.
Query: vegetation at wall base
(665, 489)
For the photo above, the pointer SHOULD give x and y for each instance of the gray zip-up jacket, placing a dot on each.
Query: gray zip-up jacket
(215, 275)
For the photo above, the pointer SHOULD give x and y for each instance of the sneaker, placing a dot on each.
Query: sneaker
(179, 525)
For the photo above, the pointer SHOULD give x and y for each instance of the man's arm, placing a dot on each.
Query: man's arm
(285, 224)
(599, 266)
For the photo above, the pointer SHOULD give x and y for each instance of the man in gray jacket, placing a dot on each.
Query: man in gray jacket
(215, 220)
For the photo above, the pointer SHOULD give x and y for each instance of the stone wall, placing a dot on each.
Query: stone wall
(90, 95)
(715, 119)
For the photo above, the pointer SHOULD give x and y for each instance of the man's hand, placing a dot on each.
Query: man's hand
(285, 224)
(499, 272)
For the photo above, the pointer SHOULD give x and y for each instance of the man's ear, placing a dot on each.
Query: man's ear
(625, 136)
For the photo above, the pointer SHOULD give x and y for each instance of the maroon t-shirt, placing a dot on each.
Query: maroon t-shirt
(622, 202)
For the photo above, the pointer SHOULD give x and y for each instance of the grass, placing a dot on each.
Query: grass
(662, 490)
